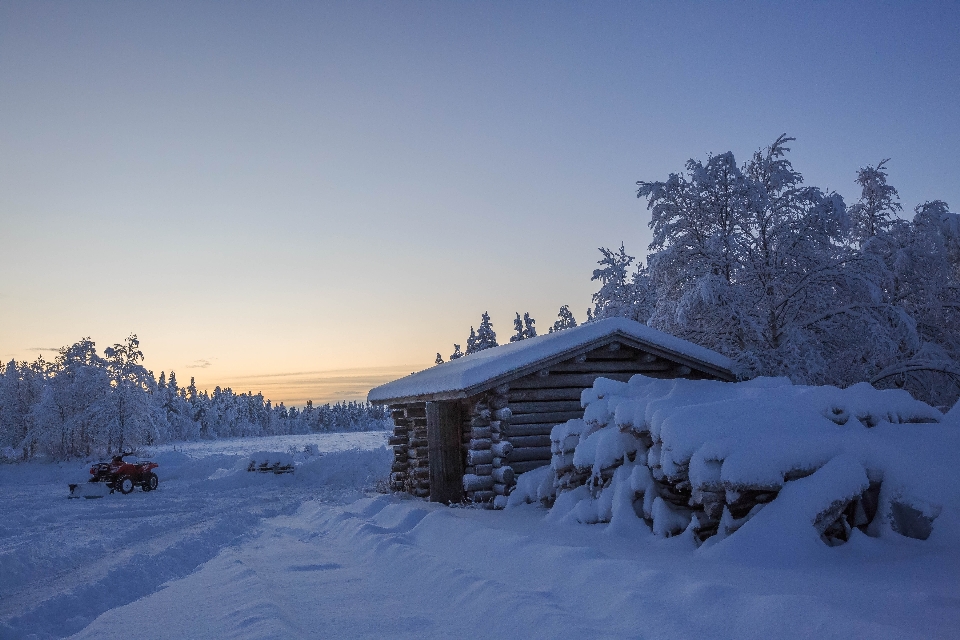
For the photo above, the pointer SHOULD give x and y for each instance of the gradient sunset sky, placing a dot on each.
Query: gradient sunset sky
(311, 199)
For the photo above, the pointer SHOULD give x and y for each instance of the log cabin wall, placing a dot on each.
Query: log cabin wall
(410, 471)
(541, 400)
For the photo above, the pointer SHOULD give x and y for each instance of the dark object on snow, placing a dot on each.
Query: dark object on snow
(266, 467)
(271, 462)
(117, 475)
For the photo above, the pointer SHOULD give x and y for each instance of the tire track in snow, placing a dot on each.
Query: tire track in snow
(121, 548)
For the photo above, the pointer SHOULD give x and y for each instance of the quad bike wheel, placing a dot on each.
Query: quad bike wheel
(125, 484)
(151, 482)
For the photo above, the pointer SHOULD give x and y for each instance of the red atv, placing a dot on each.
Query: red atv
(123, 476)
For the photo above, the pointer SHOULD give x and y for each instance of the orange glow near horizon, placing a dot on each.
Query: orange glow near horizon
(321, 387)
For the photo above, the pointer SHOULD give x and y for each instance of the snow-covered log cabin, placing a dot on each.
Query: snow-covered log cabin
(465, 428)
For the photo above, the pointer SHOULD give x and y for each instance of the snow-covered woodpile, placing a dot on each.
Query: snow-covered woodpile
(507, 399)
(703, 459)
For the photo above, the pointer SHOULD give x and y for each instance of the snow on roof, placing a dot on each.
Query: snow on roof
(490, 365)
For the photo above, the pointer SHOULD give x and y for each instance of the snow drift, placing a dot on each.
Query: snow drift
(753, 461)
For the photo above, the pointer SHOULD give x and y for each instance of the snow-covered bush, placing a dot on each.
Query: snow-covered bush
(706, 459)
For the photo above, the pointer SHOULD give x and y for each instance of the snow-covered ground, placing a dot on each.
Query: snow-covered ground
(321, 554)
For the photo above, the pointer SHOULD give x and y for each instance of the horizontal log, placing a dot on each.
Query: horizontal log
(526, 430)
(523, 454)
(542, 440)
(399, 466)
(615, 366)
(418, 452)
(419, 442)
(396, 441)
(565, 380)
(500, 489)
(529, 465)
(416, 411)
(498, 402)
(552, 406)
(421, 473)
(604, 355)
(480, 432)
(553, 417)
(543, 394)
(478, 444)
(474, 482)
(479, 457)
(483, 470)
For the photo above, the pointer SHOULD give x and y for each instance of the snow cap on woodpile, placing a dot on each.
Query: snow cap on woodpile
(486, 369)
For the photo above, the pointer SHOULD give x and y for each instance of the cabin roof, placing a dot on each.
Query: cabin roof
(489, 368)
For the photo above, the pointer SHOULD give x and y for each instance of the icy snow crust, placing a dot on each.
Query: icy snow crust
(482, 366)
(218, 552)
(815, 450)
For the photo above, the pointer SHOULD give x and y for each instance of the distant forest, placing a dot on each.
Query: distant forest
(787, 279)
(84, 404)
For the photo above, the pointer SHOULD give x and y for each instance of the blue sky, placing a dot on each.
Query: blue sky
(268, 189)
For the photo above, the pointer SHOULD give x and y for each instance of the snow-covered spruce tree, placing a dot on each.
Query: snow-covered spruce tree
(622, 294)
(517, 329)
(523, 327)
(180, 423)
(486, 337)
(456, 352)
(565, 320)
(471, 342)
(529, 326)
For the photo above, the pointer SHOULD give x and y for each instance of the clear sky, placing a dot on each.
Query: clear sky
(309, 199)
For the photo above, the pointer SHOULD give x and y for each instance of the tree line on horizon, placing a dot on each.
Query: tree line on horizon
(83, 404)
(788, 280)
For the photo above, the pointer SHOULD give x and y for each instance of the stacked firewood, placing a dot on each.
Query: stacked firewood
(709, 506)
(488, 476)
(563, 444)
(410, 469)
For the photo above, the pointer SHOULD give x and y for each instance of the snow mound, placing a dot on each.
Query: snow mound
(764, 459)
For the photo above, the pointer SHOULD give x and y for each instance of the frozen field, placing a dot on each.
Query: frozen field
(221, 553)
